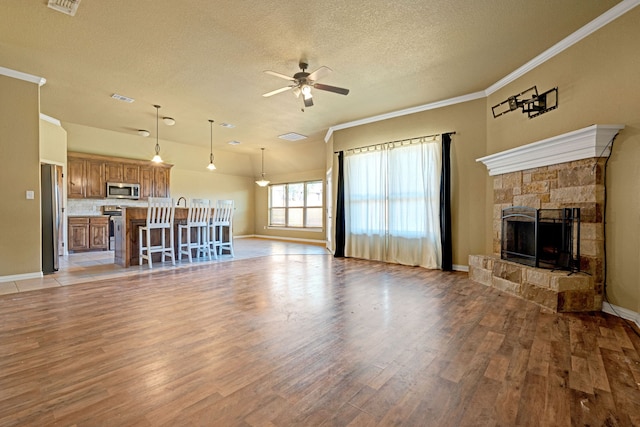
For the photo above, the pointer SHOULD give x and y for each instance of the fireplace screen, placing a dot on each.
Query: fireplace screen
(545, 238)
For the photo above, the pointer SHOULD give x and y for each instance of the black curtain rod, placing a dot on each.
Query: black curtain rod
(398, 141)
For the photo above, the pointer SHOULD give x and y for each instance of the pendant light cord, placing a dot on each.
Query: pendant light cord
(157, 143)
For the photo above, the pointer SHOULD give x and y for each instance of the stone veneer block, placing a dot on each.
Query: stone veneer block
(592, 248)
(575, 282)
(577, 301)
(479, 261)
(530, 200)
(544, 297)
(538, 277)
(506, 286)
(513, 179)
(583, 194)
(538, 187)
(544, 175)
(479, 275)
(591, 231)
(576, 177)
(507, 270)
(503, 195)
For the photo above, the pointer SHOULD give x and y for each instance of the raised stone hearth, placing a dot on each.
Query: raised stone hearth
(566, 171)
(559, 291)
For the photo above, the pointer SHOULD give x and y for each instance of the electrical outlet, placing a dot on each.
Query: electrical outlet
(30, 194)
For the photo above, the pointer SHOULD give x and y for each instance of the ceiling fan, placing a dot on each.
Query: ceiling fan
(302, 82)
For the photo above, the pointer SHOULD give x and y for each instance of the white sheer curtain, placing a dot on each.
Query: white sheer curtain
(392, 197)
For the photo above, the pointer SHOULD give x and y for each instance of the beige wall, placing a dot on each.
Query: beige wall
(53, 143)
(20, 232)
(468, 177)
(597, 80)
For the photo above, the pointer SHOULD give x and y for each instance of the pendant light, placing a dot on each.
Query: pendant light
(262, 182)
(157, 158)
(211, 166)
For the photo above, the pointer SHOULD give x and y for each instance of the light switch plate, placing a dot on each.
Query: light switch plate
(30, 194)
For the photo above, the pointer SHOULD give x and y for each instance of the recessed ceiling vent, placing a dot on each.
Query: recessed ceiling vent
(292, 136)
(68, 7)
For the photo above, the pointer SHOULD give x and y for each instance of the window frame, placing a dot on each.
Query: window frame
(305, 206)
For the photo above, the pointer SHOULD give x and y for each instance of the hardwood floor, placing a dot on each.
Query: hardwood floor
(306, 340)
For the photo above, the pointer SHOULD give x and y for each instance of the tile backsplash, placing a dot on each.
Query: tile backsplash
(91, 207)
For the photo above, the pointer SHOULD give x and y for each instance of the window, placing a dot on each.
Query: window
(296, 205)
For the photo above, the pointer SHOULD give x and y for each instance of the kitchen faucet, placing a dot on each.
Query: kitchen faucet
(185, 202)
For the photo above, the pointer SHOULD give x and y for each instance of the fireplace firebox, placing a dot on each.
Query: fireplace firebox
(544, 238)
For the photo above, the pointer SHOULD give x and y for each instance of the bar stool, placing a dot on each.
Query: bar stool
(198, 218)
(222, 217)
(159, 217)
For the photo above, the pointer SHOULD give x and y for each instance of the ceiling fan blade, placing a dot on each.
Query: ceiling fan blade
(282, 76)
(277, 91)
(339, 90)
(319, 73)
(308, 102)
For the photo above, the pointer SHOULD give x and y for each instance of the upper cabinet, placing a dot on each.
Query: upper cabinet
(88, 174)
(75, 178)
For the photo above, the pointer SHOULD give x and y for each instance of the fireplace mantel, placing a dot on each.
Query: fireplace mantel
(589, 142)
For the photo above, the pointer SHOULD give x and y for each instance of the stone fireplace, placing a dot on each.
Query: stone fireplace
(563, 172)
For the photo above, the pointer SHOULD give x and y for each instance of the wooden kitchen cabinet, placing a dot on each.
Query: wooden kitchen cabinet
(88, 175)
(88, 233)
(131, 174)
(75, 178)
(161, 182)
(154, 181)
(113, 172)
(95, 183)
(86, 179)
(78, 234)
(99, 233)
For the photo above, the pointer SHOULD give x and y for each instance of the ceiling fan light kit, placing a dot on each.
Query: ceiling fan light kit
(302, 83)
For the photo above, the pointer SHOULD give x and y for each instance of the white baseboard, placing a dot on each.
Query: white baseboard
(15, 277)
(289, 239)
(457, 267)
(621, 312)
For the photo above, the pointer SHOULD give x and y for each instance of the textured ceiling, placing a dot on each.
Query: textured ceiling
(205, 59)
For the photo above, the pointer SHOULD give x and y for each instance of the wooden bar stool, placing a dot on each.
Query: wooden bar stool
(198, 218)
(160, 215)
(222, 217)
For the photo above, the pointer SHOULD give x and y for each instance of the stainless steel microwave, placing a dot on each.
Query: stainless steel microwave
(122, 190)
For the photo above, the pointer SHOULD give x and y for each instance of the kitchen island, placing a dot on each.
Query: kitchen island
(126, 234)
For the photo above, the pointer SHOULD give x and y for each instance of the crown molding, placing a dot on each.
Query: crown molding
(615, 12)
(22, 76)
(589, 142)
(50, 119)
(405, 112)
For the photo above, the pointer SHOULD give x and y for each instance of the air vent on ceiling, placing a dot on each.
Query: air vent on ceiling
(68, 7)
(122, 98)
(292, 136)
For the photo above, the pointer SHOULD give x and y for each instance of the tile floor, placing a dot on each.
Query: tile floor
(89, 266)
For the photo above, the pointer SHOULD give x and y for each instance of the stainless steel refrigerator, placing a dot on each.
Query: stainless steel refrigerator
(51, 217)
